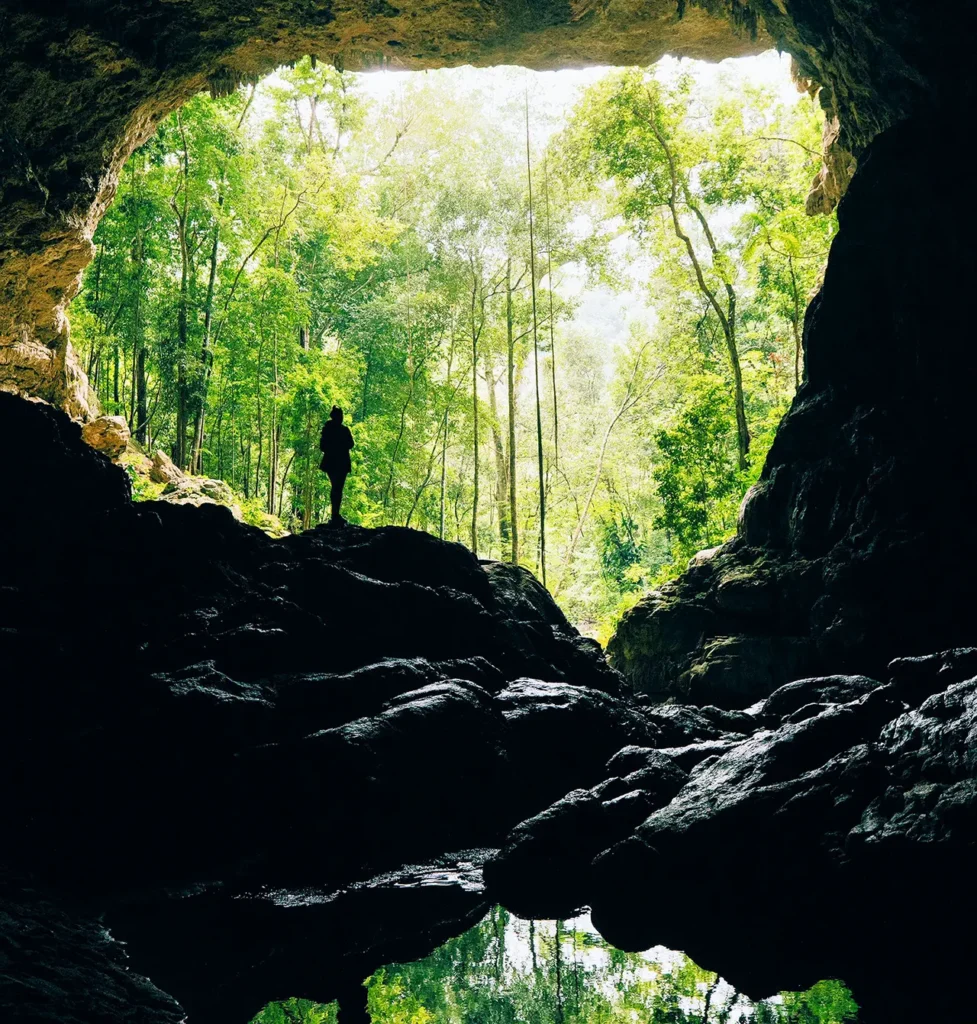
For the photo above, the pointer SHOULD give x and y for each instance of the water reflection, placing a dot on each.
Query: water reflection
(505, 970)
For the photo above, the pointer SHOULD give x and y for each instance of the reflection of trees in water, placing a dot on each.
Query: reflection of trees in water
(507, 971)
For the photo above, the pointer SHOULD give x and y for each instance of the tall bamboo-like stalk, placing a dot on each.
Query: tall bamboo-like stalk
(549, 281)
(539, 416)
(511, 392)
(444, 472)
(474, 419)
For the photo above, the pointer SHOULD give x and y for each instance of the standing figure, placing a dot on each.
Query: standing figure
(335, 445)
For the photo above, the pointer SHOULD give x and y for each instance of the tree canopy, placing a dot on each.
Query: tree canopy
(505, 971)
(299, 244)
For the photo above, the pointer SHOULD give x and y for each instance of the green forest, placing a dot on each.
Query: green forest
(425, 258)
(505, 971)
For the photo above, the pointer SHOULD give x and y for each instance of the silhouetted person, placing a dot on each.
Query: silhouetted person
(335, 445)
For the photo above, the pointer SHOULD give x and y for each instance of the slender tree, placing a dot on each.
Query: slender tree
(552, 323)
(511, 392)
(539, 415)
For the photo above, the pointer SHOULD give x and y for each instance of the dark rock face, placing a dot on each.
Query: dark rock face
(824, 847)
(212, 740)
(270, 766)
(59, 964)
(849, 550)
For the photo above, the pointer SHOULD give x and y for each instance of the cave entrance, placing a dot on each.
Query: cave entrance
(543, 972)
(584, 287)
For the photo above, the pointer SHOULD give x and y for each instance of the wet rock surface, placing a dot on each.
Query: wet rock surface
(828, 845)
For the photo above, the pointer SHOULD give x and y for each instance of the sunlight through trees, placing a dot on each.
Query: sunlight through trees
(300, 244)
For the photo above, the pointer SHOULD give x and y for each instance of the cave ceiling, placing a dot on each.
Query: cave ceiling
(85, 83)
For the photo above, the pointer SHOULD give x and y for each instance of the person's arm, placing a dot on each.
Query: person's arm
(349, 435)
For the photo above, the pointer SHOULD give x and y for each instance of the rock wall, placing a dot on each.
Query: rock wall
(854, 546)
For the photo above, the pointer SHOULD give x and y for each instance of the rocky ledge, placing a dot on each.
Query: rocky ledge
(218, 745)
(828, 831)
(271, 766)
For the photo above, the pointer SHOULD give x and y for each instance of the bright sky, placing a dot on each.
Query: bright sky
(601, 312)
(553, 93)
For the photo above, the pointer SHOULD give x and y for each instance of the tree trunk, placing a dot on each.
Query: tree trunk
(559, 975)
(412, 377)
(444, 472)
(274, 433)
(501, 464)
(539, 415)
(206, 356)
(727, 317)
(139, 412)
(474, 535)
(261, 436)
(180, 453)
(444, 435)
(627, 403)
(549, 279)
(142, 409)
(115, 376)
(281, 485)
(511, 387)
(308, 483)
(796, 324)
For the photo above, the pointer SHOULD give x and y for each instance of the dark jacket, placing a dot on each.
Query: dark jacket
(335, 443)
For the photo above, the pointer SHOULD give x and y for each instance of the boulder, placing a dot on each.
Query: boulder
(165, 471)
(107, 434)
(736, 671)
(60, 964)
(63, 481)
(197, 491)
(822, 821)
(543, 870)
(535, 622)
(651, 644)
(822, 691)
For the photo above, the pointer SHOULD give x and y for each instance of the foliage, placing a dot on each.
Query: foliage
(699, 483)
(504, 971)
(298, 245)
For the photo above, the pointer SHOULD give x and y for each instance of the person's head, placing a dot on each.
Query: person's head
(336, 414)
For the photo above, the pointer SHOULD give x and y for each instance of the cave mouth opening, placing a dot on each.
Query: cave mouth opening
(323, 237)
(509, 969)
